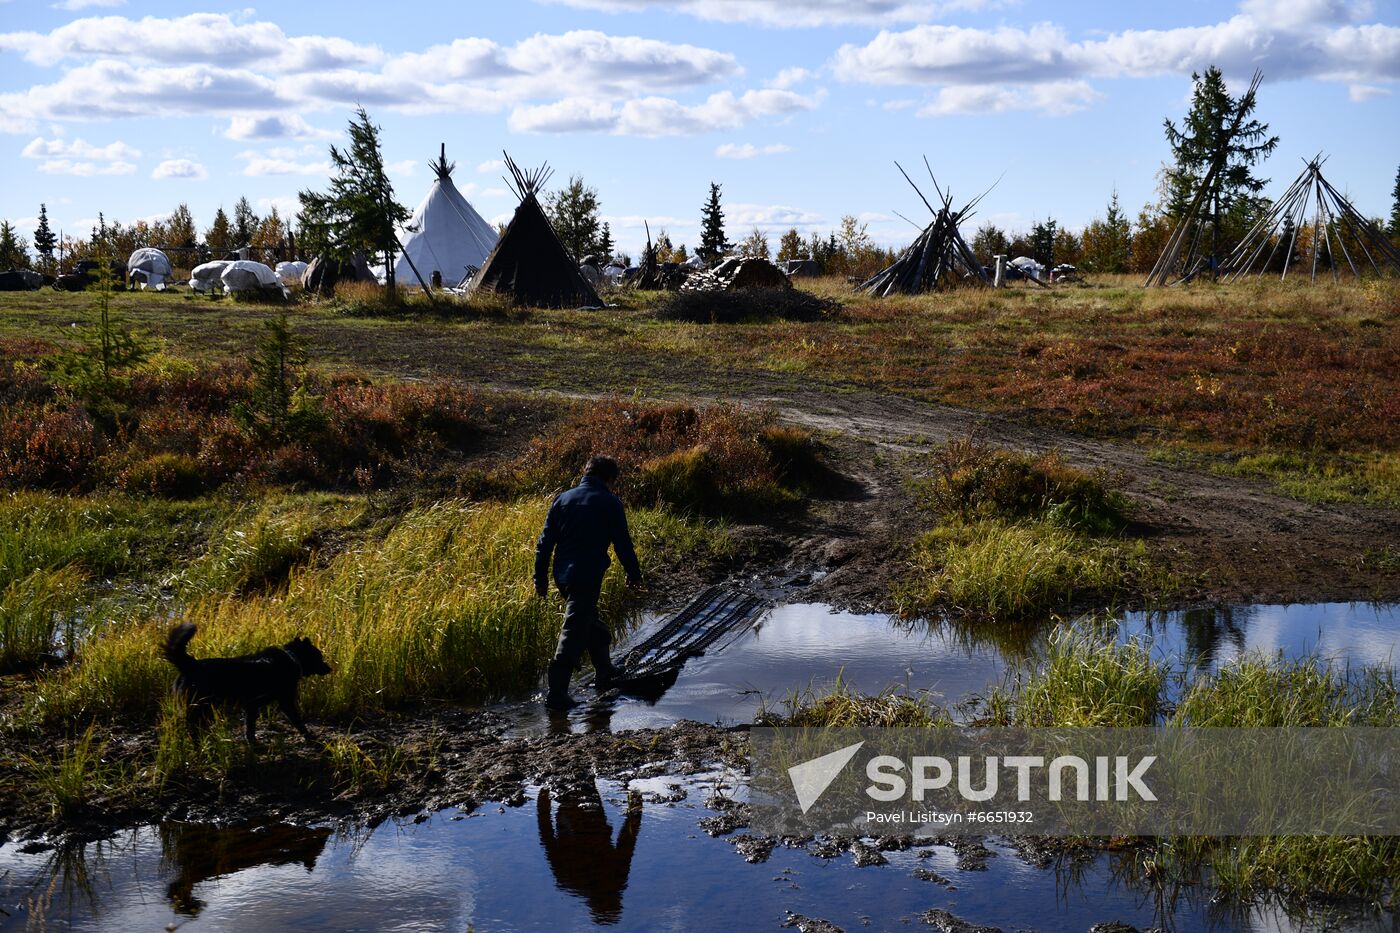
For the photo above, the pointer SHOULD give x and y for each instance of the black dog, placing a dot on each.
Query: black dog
(251, 681)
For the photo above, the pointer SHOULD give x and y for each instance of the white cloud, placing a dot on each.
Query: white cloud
(84, 4)
(658, 116)
(85, 169)
(1286, 39)
(213, 39)
(1359, 93)
(748, 150)
(180, 168)
(405, 167)
(40, 148)
(771, 215)
(1056, 98)
(793, 12)
(274, 126)
(263, 164)
(790, 76)
(287, 205)
(491, 165)
(264, 80)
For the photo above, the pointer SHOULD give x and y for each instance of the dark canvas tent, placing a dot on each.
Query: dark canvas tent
(529, 263)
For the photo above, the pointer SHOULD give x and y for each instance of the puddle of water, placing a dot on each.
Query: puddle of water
(547, 866)
(1347, 634)
(798, 646)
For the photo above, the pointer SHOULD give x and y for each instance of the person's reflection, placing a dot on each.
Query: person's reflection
(579, 846)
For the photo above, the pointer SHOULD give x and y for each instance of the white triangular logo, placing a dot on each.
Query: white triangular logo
(811, 778)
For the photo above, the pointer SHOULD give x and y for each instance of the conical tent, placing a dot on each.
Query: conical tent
(445, 234)
(1273, 242)
(939, 258)
(529, 264)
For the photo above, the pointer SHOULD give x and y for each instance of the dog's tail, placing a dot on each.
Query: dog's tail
(176, 644)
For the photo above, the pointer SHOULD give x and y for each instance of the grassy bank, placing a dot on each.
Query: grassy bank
(1260, 368)
(1086, 679)
(1019, 537)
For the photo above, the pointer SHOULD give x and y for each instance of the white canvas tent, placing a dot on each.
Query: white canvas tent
(445, 234)
(150, 267)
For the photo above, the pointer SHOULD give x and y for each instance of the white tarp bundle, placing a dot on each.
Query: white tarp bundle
(445, 235)
(243, 275)
(208, 276)
(151, 266)
(290, 273)
(1028, 266)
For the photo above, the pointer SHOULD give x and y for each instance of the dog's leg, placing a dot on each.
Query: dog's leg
(289, 707)
(251, 716)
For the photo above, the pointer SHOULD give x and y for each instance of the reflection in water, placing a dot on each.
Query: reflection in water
(579, 845)
(200, 852)
(1207, 631)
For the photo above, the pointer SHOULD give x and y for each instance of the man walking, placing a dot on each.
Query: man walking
(581, 524)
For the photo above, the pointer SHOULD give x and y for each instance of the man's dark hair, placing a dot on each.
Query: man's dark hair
(605, 468)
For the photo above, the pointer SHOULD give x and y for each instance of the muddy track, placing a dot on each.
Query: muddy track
(1233, 539)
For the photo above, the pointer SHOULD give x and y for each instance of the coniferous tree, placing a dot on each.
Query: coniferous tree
(1205, 137)
(44, 239)
(179, 229)
(1106, 242)
(1043, 243)
(606, 246)
(573, 212)
(1394, 210)
(790, 245)
(359, 213)
(713, 245)
(219, 237)
(14, 251)
(245, 224)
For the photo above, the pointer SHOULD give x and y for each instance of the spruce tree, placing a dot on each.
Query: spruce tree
(245, 224)
(44, 239)
(219, 237)
(606, 246)
(573, 212)
(14, 251)
(359, 212)
(713, 245)
(1394, 210)
(1205, 138)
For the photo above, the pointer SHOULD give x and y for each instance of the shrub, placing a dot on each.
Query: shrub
(711, 461)
(746, 305)
(47, 446)
(170, 475)
(975, 481)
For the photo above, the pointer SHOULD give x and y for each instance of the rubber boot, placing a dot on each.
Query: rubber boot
(558, 679)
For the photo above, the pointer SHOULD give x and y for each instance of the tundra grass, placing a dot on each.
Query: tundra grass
(1001, 571)
(442, 607)
(1085, 678)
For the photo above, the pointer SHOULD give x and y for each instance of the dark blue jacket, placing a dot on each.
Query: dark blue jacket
(581, 524)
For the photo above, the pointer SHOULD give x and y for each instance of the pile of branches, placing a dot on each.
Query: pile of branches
(738, 273)
(746, 305)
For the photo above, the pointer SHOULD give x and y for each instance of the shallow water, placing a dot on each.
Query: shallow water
(1345, 634)
(801, 645)
(500, 869)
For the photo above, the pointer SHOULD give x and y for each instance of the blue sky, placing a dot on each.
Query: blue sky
(797, 107)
